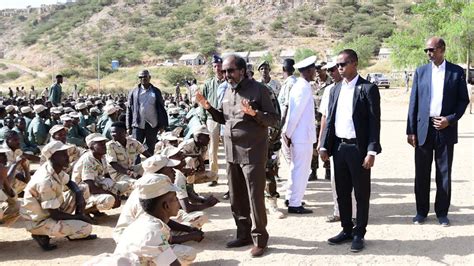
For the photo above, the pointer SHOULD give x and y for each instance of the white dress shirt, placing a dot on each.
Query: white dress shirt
(344, 124)
(324, 105)
(437, 85)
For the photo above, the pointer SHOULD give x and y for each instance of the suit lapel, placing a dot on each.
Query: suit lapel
(357, 89)
(429, 74)
(337, 90)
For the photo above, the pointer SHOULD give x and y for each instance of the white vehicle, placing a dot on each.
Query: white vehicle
(379, 79)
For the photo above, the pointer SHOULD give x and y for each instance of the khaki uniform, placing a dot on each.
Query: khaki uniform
(147, 237)
(132, 210)
(74, 153)
(125, 156)
(48, 190)
(89, 168)
(318, 90)
(17, 185)
(9, 208)
(189, 147)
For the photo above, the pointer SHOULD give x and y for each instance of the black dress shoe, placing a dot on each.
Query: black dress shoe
(287, 203)
(237, 243)
(299, 210)
(342, 237)
(226, 196)
(357, 244)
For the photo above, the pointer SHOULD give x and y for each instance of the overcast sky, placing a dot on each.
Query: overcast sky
(24, 3)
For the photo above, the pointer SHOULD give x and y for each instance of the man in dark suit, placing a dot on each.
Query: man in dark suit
(352, 136)
(146, 114)
(438, 100)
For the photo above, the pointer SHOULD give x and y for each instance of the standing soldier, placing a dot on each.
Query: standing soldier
(321, 83)
(209, 91)
(55, 92)
(264, 69)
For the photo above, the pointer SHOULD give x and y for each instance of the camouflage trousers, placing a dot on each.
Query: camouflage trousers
(9, 209)
(194, 219)
(315, 158)
(74, 229)
(186, 254)
(102, 202)
(202, 177)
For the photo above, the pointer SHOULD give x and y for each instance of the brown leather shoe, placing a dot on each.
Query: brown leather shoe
(237, 243)
(257, 251)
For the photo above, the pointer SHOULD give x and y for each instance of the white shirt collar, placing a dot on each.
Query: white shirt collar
(440, 67)
(351, 83)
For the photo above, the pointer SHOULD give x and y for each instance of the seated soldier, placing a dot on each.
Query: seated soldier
(112, 112)
(91, 169)
(8, 124)
(167, 139)
(149, 236)
(59, 133)
(162, 166)
(50, 199)
(9, 206)
(195, 150)
(22, 174)
(121, 154)
(38, 130)
(191, 213)
(76, 134)
(25, 144)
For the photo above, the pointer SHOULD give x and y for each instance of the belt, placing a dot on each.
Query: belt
(347, 141)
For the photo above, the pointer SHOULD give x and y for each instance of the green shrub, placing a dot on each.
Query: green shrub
(302, 53)
(229, 10)
(173, 75)
(69, 72)
(12, 75)
(277, 24)
(172, 49)
(3, 66)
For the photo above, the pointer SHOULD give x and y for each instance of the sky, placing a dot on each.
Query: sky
(24, 3)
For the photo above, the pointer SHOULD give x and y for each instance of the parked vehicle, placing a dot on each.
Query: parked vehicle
(379, 79)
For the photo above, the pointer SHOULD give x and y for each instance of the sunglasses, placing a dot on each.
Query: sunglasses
(429, 50)
(342, 64)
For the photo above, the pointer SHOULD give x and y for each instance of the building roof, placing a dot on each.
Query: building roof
(241, 54)
(258, 54)
(385, 51)
(189, 56)
(287, 53)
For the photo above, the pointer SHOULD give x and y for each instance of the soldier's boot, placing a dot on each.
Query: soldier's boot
(328, 174)
(273, 208)
(43, 242)
(314, 173)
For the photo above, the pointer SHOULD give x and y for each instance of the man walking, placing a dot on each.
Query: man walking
(438, 100)
(299, 133)
(247, 112)
(352, 136)
(146, 114)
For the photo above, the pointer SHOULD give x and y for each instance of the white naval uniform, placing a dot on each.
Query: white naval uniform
(300, 128)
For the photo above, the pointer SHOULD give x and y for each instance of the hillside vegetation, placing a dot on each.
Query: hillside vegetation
(138, 32)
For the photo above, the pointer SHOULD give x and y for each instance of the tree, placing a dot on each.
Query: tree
(302, 53)
(364, 46)
(452, 20)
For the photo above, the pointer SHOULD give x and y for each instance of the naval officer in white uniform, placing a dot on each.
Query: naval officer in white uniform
(299, 133)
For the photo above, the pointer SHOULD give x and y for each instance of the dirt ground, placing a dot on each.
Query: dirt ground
(391, 237)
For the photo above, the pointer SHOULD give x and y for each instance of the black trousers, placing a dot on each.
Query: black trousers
(349, 174)
(443, 155)
(147, 136)
(246, 191)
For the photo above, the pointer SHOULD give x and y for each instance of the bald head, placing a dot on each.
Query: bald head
(434, 49)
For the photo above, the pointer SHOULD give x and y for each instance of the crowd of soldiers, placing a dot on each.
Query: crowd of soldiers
(87, 163)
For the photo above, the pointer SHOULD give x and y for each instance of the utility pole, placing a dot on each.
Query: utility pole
(98, 72)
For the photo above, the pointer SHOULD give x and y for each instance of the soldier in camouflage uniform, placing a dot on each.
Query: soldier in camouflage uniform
(51, 198)
(322, 81)
(271, 170)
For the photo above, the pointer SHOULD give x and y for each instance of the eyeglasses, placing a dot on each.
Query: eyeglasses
(342, 64)
(429, 50)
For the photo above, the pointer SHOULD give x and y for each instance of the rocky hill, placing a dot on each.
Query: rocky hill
(69, 38)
